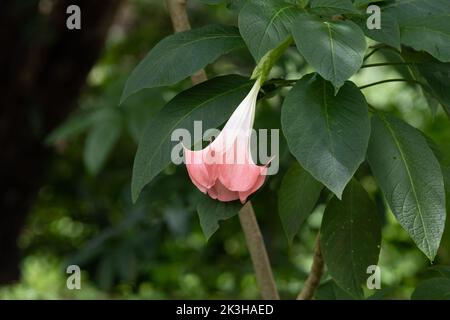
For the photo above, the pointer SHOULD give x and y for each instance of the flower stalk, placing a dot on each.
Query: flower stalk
(266, 63)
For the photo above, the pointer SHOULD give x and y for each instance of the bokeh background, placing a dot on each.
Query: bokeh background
(67, 155)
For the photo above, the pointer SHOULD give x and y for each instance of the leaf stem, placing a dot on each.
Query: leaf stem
(390, 80)
(266, 63)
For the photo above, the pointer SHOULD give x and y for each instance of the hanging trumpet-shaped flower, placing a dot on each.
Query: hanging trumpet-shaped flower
(225, 169)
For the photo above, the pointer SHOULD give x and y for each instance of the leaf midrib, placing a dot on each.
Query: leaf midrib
(327, 118)
(272, 22)
(333, 63)
(427, 29)
(173, 49)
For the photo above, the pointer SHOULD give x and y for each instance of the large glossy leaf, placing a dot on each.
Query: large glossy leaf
(350, 238)
(437, 75)
(236, 5)
(411, 180)
(331, 291)
(363, 3)
(327, 134)
(297, 197)
(424, 25)
(382, 294)
(446, 173)
(334, 48)
(421, 60)
(213, 2)
(442, 271)
(433, 289)
(78, 124)
(211, 212)
(265, 24)
(331, 7)
(211, 102)
(180, 55)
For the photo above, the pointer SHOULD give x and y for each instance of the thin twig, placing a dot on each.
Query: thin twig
(258, 253)
(315, 274)
(250, 227)
(391, 80)
(384, 64)
(282, 82)
(180, 22)
(372, 108)
(376, 48)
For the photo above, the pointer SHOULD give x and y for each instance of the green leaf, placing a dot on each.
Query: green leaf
(137, 111)
(236, 5)
(266, 24)
(364, 3)
(211, 102)
(382, 294)
(297, 198)
(180, 55)
(331, 291)
(77, 124)
(421, 59)
(410, 177)
(424, 25)
(437, 75)
(212, 211)
(331, 7)
(350, 238)
(213, 2)
(433, 289)
(327, 134)
(446, 174)
(100, 142)
(334, 48)
(443, 271)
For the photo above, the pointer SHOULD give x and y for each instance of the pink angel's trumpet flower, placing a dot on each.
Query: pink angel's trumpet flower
(225, 169)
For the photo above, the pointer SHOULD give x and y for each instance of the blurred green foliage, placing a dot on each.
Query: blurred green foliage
(155, 249)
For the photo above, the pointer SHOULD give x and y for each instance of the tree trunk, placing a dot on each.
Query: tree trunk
(43, 69)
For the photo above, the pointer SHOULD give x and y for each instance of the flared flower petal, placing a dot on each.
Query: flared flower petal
(221, 193)
(225, 169)
(239, 177)
(202, 174)
(259, 182)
